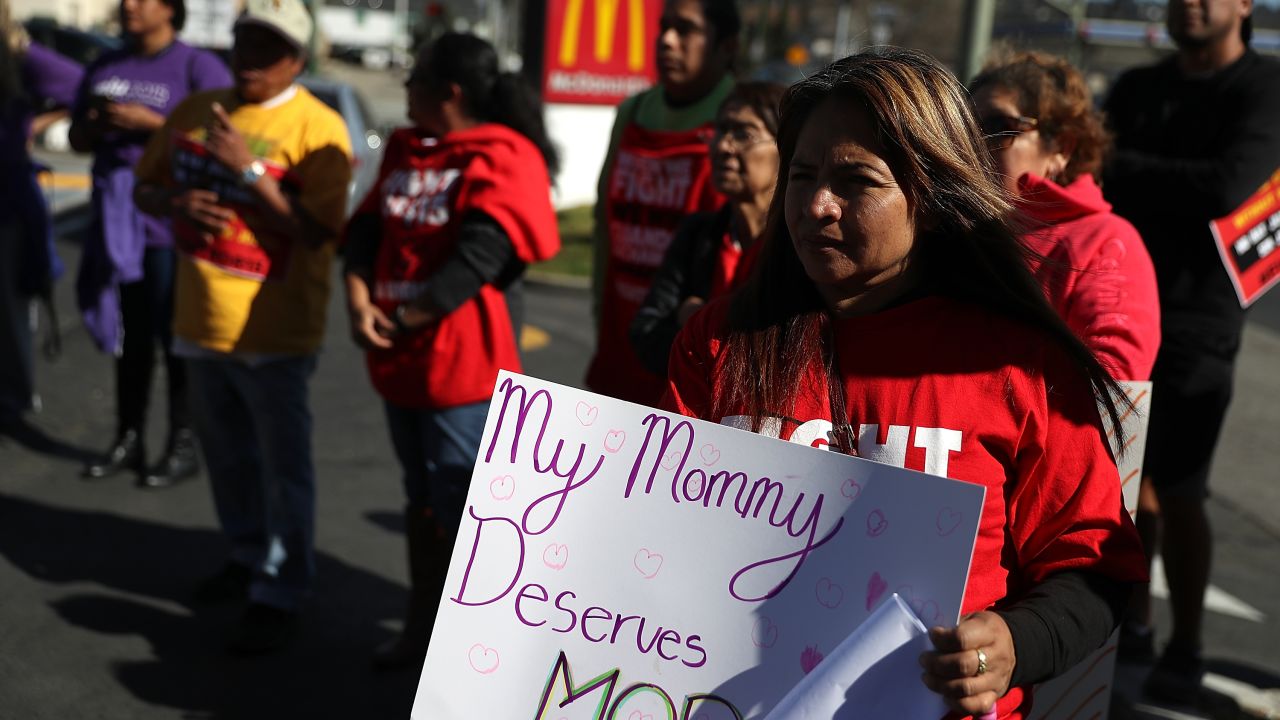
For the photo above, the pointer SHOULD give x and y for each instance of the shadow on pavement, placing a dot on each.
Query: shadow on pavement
(34, 439)
(392, 522)
(324, 673)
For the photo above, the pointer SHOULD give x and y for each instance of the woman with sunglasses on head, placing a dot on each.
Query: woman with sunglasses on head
(434, 260)
(712, 252)
(891, 314)
(1048, 144)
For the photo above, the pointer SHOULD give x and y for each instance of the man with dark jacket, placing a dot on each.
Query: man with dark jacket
(1195, 135)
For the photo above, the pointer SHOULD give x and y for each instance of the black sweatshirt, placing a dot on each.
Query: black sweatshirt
(686, 272)
(1187, 151)
(483, 254)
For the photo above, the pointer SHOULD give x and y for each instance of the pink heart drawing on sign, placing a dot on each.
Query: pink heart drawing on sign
(637, 715)
(587, 413)
(829, 594)
(671, 459)
(556, 556)
(851, 489)
(482, 659)
(876, 523)
(502, 487)
(647, 563)
(924, 608)
(810, 658)
(614, 440)
(693, 486)
(710, 455)
(948, 521)
(927, 611)
(876, 587)
(764, 634)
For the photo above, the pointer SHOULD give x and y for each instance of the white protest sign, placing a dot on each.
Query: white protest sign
(874, 673)
(618, 562)
(1133, 440)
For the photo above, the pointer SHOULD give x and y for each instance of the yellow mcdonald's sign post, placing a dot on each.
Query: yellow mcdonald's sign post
(592, 57)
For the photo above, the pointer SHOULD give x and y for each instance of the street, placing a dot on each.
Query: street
(95, 575)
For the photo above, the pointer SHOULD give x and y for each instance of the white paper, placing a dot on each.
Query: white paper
(609, 579)
(874, 673)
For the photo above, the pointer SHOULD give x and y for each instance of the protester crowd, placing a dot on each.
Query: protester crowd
(876, 246)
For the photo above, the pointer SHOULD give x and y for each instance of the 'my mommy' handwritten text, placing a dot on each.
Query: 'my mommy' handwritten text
(521, 436)
(737, 493)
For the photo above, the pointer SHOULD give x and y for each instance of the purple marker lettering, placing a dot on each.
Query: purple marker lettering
(471, 561)
(523, 594)
(801, 554)
(562, 676)
(668, 436)
(617, 626)
(667, 636)
(692, 642)
(573, 617)
(588, 615)
(644, 649)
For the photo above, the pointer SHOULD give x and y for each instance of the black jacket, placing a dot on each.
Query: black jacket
(1187, 151)
(687, 270)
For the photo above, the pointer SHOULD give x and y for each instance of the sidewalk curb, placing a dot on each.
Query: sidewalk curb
(557, 280)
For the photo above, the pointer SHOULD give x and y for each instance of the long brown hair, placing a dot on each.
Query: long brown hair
(922, 118)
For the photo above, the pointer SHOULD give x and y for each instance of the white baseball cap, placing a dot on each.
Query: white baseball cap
(287, 18)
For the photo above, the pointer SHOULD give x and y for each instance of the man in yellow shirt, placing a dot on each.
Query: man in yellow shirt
(255, 179)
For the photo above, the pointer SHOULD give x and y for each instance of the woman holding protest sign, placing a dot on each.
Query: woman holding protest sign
(892, 298)
(711, 252)
(1048, 143)
(434, 259)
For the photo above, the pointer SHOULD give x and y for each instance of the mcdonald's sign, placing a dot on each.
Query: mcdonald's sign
(599, 51)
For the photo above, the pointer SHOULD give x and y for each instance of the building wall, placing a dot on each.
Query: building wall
(77, 13)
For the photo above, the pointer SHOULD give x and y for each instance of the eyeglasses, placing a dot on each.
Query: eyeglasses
(738, 136)
(1001, 130)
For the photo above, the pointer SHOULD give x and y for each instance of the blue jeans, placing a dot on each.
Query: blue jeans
(254, 425)
(437, 451)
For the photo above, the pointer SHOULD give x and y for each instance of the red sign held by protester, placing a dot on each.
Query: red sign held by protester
(1249, 242)
(599, 52)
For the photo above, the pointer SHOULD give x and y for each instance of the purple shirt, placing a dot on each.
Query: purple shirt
(117, 241)
(160, 82)
(47, 79)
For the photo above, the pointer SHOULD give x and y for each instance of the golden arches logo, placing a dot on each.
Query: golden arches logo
(606, 23)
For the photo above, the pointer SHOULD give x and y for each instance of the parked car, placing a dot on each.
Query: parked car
(366, 137)
(79, 45)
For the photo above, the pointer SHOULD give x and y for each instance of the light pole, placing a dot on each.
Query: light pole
(979, 19)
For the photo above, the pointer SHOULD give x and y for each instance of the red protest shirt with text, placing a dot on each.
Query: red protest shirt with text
(426, 186)
(948, 388)
(658, 177)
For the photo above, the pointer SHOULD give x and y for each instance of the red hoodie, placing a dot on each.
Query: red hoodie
(1099, 276)
(425, 188)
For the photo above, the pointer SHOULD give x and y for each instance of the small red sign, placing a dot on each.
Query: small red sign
(1249, 242)
(599, 52)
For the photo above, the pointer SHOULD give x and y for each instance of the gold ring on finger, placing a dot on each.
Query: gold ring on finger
(982, 663)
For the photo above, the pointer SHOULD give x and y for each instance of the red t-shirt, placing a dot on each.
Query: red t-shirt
(657, 178)
(948, 388)
(425, 188)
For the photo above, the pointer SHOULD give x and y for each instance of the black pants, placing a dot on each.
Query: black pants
(146, 307)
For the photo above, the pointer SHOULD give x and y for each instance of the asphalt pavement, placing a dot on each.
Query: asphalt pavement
(95, 576)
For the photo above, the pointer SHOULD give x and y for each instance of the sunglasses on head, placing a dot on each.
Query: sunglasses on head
(1001, 130)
